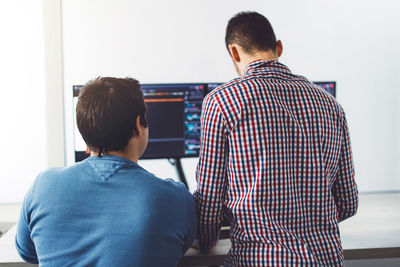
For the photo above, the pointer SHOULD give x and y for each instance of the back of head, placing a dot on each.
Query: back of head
(252, 31)
(106, 113)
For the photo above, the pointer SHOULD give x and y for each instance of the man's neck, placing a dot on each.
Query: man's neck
(264, 55)
(259, 55)
(121, 154)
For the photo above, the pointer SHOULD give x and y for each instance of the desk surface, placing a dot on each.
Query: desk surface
(374, 232)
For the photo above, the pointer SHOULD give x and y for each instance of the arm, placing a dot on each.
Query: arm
(23, 242)
(191, 219)
(344, 188)
(211, 175)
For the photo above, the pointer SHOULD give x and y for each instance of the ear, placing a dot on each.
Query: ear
(233, 50)
(138, 126)
(279, 48)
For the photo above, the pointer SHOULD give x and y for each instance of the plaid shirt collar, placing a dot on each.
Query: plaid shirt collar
(266, 66)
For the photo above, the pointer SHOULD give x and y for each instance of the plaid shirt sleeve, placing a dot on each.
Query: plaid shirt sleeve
(344, 188)
(211, 175)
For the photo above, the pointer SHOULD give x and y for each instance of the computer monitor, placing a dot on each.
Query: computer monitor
(173, 113)
(330, 87)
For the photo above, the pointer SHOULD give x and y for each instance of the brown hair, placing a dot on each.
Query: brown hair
(252, 31)
(106, 113)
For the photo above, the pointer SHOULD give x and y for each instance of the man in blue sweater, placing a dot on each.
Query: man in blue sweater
(107, 210)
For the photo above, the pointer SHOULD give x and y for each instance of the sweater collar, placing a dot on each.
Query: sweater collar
(107, 165)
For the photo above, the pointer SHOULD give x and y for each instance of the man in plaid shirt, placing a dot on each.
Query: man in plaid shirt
(275, 157)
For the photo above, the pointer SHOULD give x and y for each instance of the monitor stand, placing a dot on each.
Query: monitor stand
(176, 162)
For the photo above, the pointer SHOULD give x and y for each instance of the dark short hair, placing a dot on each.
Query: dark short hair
(252, 31)
(106, 113)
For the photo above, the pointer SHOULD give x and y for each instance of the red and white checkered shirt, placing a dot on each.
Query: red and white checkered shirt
(275, 155)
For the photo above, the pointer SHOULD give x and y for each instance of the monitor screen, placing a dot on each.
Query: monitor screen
(173, 113)
(330, 87)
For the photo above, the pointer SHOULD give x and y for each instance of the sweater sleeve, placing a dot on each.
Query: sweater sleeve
(23, 242)
(191, 219)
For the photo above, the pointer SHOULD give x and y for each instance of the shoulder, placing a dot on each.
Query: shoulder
(327, 100)
(228, 101)
(167, 193)
(174, 191)
(52, 175)
(149, 180)
(52, 181)
(49, 176)
(171, 187)
(235, 93)
(223, 90)
(45, 182)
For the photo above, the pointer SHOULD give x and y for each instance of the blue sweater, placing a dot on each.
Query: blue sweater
(105, 212)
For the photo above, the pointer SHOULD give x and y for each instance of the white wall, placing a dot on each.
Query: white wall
(355, 43)
(22, 109)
